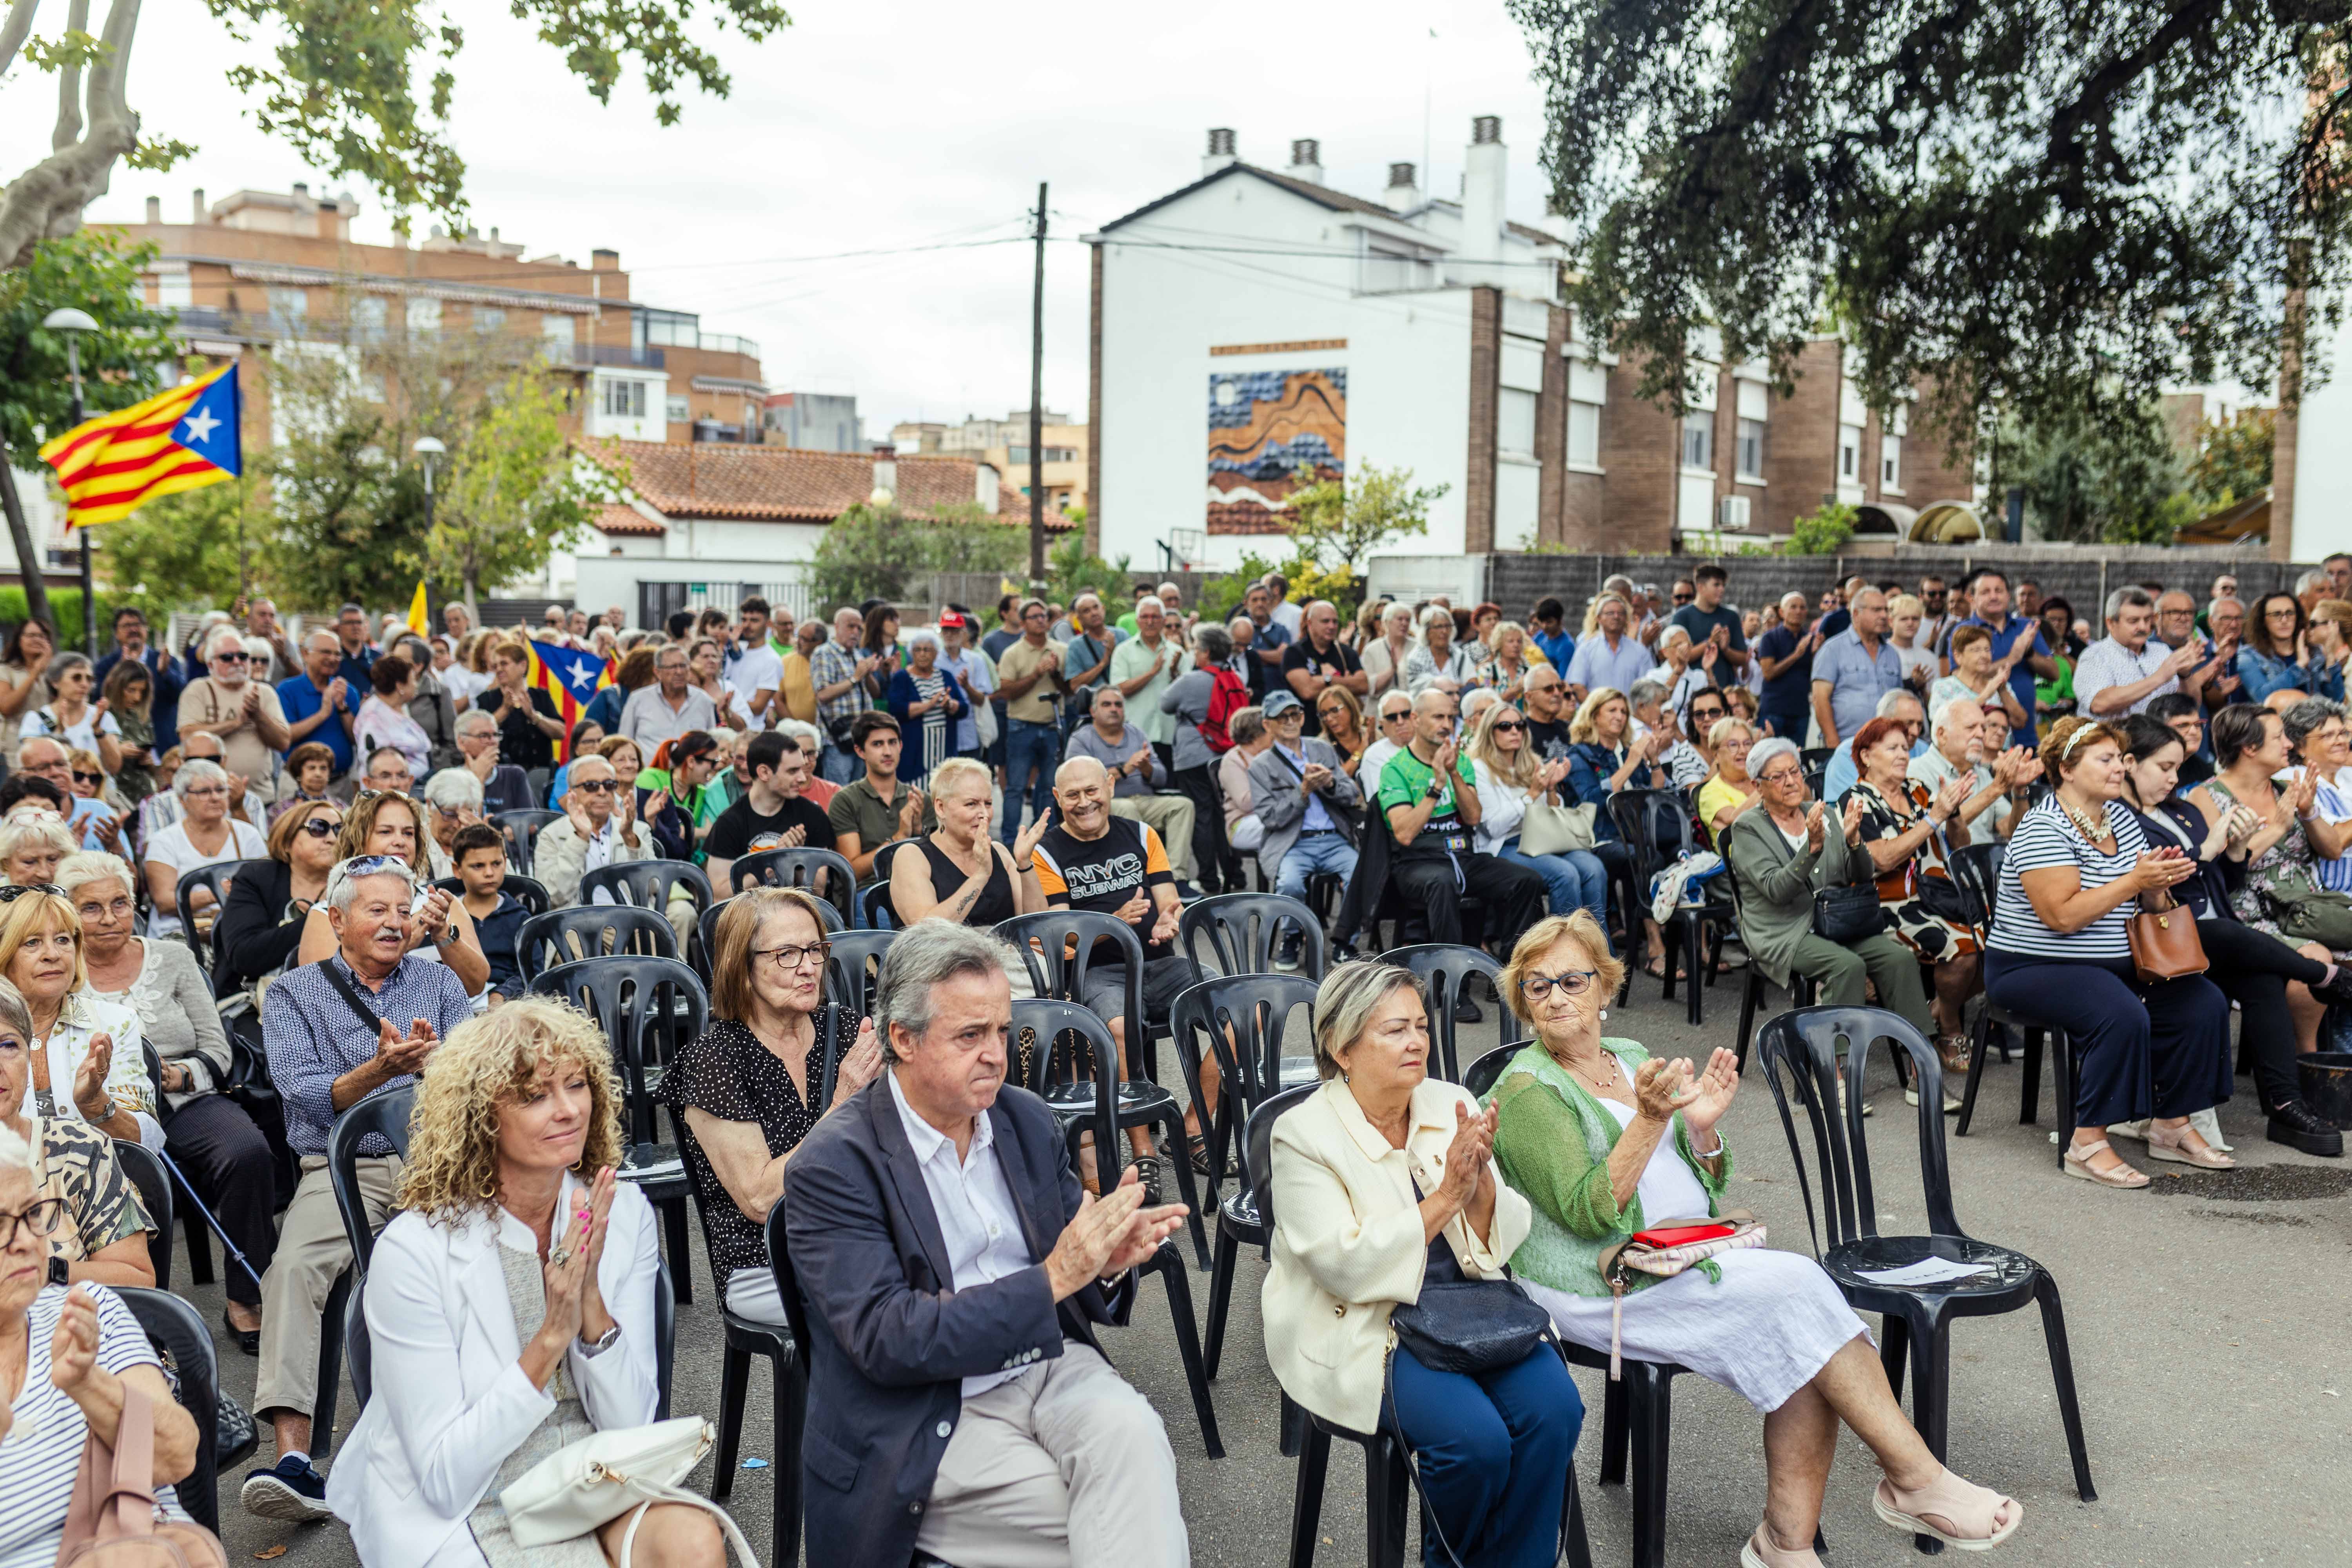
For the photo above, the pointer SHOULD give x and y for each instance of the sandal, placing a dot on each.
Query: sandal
(2172, 1144)
(1758, 1551)
(1952, 1050)
(1944, 1507)
(2120, 1174)
(1197, 1145)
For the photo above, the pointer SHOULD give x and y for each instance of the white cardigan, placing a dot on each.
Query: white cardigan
(1348, 1243)
(450, 1399)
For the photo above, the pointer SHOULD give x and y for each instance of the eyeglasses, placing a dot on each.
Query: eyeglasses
(207, 791)
(1499, 725)
(42, 1219)
(1782, 776)
(81, 777)
(1396, 717)
(323, 827)
(593, 786)
(792, 955)
(1571, 982)
(231, 658)
(1706, 715)
(1682, 598)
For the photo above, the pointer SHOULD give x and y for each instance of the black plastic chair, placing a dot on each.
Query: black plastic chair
(797, 867)
(590, 930)
(522, 829)
(647, 884)
(1655, 825)
(853, 968)
(383, 1115)
(178, 1333)
(791, 1396)
(1084, 1096)
(154, 1186)
(708, 922)
(1482, 1075)
(875, 911)
(532, 896)
(1918, 1317)
(1245, 930)
(1388, 1489)
(747, 1339)
(650, 1008)
(1445, 973)
(1815, 756)
(215, 880)
(1058, 946)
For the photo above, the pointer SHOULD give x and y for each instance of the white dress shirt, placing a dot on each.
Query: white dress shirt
(974, 1206)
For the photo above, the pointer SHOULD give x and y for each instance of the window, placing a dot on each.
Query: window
(555, 336)
(175, 291)
(624, 399)
(423, 315)
(1890, 462)
(1386, 271)
(1584, 432)
(1698, 440)
(289, 310)
(488, 319)
(678, 410)
(1751, 448)
(1514, 428)
(367, 321)
(1849, 454)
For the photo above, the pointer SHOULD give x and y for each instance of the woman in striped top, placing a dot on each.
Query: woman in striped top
(2077, 868)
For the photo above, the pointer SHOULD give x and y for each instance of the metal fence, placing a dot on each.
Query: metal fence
(656, 602)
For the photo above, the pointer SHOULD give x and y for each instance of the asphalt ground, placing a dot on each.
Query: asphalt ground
(2208, 1318)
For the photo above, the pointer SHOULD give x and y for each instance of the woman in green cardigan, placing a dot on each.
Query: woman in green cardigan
(1603, 1140)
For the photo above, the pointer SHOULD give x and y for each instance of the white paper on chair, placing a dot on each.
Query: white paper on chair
(1926, 1271)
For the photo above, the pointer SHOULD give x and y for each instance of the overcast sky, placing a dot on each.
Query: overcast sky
(881, 125)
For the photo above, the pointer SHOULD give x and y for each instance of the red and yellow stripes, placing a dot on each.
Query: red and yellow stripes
(111, 465)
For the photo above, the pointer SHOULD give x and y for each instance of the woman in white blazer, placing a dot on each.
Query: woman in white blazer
(1383, 1182)
(505, 1327)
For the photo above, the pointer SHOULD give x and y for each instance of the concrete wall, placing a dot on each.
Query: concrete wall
(2318, 472)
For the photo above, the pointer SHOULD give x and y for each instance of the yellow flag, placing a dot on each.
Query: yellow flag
(418, 621)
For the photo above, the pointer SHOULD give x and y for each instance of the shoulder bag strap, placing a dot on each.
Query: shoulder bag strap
(368, 1016)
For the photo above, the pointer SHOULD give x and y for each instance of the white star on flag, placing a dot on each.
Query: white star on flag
(583, 677)
(199, 427)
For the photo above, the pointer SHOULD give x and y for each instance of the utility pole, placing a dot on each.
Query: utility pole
(1037, 401)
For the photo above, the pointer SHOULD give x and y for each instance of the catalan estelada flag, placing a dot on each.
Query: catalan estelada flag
(570, 677)
(183, 440)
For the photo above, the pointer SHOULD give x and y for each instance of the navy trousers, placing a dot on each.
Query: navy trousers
(2161, 1050)
(1493, 1450)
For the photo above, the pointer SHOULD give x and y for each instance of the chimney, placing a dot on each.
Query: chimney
(154, 209)
(601, 260)
(1482, 191)
(1306, 160)
(1404, 194)
(885, 476)
(201, 215)
(1221, 153)
(331, 221)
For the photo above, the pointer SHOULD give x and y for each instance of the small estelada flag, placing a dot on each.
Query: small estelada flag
(183, 440)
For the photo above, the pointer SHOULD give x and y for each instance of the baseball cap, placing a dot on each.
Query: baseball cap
(1281, 702)
(950, 619)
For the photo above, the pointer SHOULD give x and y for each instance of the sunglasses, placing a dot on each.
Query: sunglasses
(1706, 715)
(93, 779)
(594, 786)
(1502, 725)
(321, 828)
(1682, 598)
(9, 895)
(231, 658)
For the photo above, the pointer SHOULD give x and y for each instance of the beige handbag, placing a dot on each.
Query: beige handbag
(1549, 829)
(585, 1485)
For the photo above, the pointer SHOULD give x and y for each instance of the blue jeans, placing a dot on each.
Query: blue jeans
(839, 766)
(1313, 853)
(1576, 881)
(1028, 746)
(1494, 1450)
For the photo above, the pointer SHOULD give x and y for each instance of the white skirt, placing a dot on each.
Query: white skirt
(1773, 1321)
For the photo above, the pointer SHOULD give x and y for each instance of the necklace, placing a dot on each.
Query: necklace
(2092, 830)
(1594, 1078)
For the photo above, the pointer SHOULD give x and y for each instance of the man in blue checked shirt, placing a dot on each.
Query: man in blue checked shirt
(352, 1025)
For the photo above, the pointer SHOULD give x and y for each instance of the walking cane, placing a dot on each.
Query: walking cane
(188, 1189)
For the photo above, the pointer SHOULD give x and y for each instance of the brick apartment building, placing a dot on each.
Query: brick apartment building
(1004, 445)
(265, 270)
(1419, 332)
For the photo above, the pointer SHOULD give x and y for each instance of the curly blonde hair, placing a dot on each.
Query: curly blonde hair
(489, 1062)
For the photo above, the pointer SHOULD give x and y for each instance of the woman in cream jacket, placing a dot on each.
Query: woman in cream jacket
(1382, 1181)
(504, 1328)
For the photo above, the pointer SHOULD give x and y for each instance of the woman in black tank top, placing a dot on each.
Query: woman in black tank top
(940, 882)
(996, 900)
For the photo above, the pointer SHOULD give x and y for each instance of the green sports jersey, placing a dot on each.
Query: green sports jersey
(1404, 779)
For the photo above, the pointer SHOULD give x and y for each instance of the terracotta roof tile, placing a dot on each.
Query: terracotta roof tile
(617, 519)
(720, 480)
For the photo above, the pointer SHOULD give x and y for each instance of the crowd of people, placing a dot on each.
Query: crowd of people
(276, 862)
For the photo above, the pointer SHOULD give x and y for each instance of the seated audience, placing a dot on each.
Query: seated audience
(926, 701)
(1341, 715)
(2276, 655)
(383, 719)
(1200, 746)
(479, 854)
(505, 787)
(669, 793)
(206, 835)
(599, 827)
(1728, 790)
(819, 790)
(957, 872)
(50, 759)
(2281, 989)
(1305, 799)
(32, 842)
(1244, 830)
(261, 920)
(2077, 868)
(87, 1059)
(310, 769)
(2186, 718)
(1428, 798)
(1137, 773)
(212, 1138)
(162, 809)
(1602, 760)
(1684, 671)
(128, 696)
(512, 1232)
(1606, 1141)
(1782, 854)
(586, 736)
(1906, 829)
(453, 802)
(1996, 793)
(339, 1030)
(775, 813)
(877, 807)
(385, 772)
(1977, 677)
(98, 1229)
(747, 1087)
(1492, 1448)
(1434, 660)
(439, 929)
(78, 1354)
(1899, 706)
(2321, 739)
(1510, 780)
(986, 1425)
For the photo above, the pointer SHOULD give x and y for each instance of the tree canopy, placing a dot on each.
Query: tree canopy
(2043, 205)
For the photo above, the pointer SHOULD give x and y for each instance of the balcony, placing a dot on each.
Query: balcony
(585, 355)
(727, 343)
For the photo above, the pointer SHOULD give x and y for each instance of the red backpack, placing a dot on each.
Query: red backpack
(1228, 697)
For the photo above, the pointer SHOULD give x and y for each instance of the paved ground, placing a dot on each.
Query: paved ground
(2208, 1318)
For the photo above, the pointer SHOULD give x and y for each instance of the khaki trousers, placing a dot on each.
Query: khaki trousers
(1065, 1464)
(1169, 816)
(311, 1251)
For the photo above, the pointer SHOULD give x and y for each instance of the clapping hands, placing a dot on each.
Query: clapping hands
(1109, 1236)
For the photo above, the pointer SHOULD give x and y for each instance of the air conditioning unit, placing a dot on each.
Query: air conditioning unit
(1731, 514)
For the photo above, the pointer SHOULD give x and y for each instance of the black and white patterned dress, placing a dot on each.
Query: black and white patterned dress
(1917, 927)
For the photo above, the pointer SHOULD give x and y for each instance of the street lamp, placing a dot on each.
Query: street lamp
(428, 448)
(73, 323)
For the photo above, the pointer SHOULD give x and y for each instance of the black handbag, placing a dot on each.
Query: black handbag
(1472, 1325)
(1848, 913)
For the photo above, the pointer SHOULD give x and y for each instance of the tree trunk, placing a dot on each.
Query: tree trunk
(37, 591)
(473, 587)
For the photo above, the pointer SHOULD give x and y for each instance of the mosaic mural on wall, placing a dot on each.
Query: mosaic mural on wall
(1263, 424)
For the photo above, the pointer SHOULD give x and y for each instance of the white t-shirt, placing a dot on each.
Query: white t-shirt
(83, 734)
(171, 847)
(1290, 617)
(751, 671)
(459, 681)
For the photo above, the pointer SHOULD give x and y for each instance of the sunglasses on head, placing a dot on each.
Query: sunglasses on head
(9, 895)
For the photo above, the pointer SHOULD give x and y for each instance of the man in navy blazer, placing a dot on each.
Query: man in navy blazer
(953, 1273)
